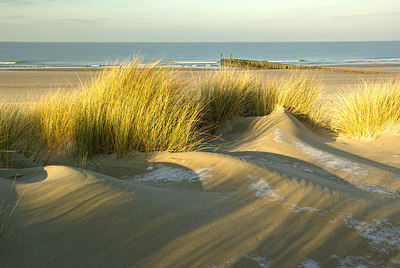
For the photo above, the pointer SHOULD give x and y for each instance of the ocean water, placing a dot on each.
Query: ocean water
(22, 55)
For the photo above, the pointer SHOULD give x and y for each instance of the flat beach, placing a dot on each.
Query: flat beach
(275, 193)
(35, 83)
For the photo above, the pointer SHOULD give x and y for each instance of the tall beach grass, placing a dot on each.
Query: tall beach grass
(300, 94)
(228, 93)
(131, 108)
(147, 108)
(18, 135)
(368, 110)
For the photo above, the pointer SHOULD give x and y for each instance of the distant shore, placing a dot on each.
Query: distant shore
(19, 84)
(87, 68)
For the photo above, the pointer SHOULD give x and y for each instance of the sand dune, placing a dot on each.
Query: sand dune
(275, 194)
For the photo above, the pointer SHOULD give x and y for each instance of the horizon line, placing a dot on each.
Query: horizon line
(338, 41)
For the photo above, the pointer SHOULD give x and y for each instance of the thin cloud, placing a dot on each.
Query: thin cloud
(391, 14)
(16, 2)
(74, 21)
(26, 2)
(15, 17)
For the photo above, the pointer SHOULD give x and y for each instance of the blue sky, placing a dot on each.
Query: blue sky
(199, 20)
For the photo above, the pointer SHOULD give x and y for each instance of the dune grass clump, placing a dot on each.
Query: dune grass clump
(228, 93)
(147, 108)
(11, 130)
(300, 94)
(368, 110)
(18, 135)
(52, 116)
(131, 108)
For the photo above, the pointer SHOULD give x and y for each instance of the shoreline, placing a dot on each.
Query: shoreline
(80, 69)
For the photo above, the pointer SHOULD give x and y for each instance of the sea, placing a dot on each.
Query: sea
(42, 55)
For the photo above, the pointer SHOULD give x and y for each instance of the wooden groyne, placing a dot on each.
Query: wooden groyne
(267, 65)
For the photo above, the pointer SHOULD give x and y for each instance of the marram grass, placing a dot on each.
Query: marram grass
(228, 93)
(368, 110)
(300, 94)
(18, 135)
(147, 108)
(126, 109)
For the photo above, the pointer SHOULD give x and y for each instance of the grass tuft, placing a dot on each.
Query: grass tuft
(368, 110)
(147, 108)
(228, 93)
(300, 94)
(18, 135)
(131, 108)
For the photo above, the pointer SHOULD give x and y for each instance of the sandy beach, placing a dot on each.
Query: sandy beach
(31, 85)
(17, 85)
(275, 193)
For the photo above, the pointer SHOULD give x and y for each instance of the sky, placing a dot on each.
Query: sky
(199, 20)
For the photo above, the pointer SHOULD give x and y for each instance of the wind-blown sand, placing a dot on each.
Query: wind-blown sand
(275, 194)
